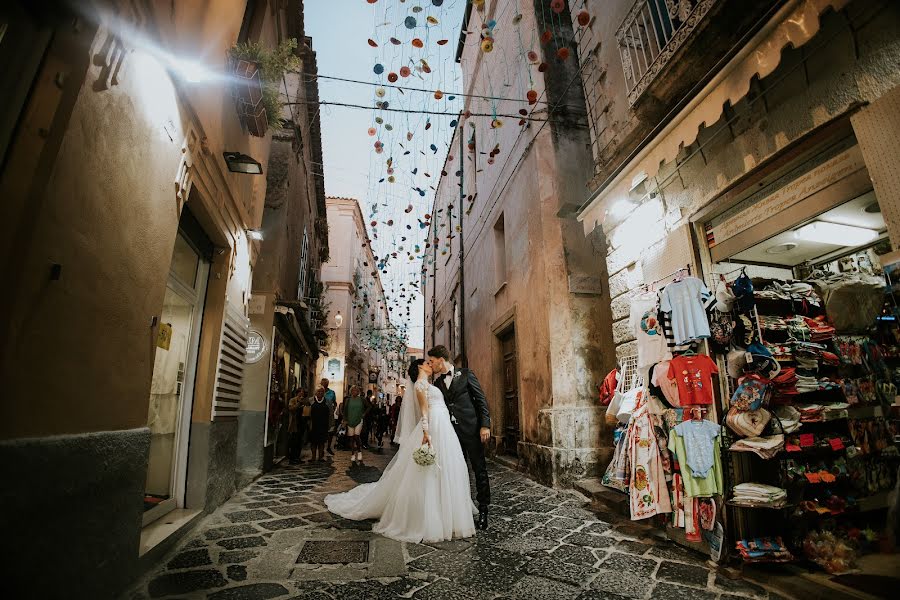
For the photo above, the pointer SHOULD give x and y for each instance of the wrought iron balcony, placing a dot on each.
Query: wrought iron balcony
(652, 34)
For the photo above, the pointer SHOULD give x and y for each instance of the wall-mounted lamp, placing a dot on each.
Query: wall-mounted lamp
(338, 319)
(255, 234)
(241, 163)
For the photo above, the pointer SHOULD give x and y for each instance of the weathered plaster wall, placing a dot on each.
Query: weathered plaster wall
(553, 290)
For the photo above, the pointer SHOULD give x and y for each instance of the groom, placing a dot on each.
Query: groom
(470, 417)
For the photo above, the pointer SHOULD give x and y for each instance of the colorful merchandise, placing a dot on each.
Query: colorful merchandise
(644, 323)
(685, 300)
(647, 489)
(699, 439)
(666, 383)
(702, 487)
(693, 376)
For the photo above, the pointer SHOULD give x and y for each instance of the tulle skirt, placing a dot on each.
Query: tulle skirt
(414, 503)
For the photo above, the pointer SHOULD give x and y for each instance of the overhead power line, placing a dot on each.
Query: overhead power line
(418, 112)
(422, 90)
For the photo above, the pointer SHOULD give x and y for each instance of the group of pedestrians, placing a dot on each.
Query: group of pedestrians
(358, 423)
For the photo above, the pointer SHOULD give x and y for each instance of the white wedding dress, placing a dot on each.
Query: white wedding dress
(414, 503)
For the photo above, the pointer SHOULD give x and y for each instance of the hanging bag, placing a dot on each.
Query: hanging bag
(616, 401)
(617, 474)
(630, 400)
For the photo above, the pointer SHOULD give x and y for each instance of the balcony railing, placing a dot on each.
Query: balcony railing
(651, 34)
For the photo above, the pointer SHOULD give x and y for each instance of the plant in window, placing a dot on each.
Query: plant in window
(261, 71)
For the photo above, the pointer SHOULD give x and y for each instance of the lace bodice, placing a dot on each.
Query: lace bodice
(433, 394)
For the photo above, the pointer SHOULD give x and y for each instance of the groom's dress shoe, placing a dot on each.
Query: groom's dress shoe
(482, 519)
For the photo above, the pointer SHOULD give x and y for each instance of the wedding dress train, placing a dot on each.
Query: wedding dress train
(414, 503)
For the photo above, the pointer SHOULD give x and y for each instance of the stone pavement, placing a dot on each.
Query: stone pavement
(275, 539)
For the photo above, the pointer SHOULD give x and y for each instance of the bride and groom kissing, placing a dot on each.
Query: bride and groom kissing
(415, 503)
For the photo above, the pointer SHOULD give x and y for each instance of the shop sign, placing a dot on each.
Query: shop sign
(164, 337)
(831, 171)
(373, 376)
(334, 368)
(256, 346)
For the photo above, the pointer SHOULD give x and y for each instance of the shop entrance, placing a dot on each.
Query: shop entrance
(818, 331)
(511, 426)
(172, 387)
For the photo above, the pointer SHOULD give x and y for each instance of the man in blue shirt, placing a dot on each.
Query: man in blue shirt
(331, 401)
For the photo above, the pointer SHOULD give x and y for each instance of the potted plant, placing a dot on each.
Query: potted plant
(258, 73)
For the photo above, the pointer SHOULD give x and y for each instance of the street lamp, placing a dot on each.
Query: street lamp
(241, 163)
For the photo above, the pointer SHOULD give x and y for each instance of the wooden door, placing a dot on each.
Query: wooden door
(510, 392)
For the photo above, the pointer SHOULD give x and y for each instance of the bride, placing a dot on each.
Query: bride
(416, 503)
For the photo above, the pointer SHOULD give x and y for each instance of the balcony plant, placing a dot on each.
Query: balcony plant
(258, 74)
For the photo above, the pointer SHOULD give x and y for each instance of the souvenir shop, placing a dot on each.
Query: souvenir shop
(759, 417)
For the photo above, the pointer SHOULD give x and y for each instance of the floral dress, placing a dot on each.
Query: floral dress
(648, 491)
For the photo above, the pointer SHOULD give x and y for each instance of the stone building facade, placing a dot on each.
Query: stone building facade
(126, 241)
(286, 310)
(791, 79)
(526, 307)
(364, 346)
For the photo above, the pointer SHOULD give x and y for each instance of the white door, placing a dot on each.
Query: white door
(172, 388)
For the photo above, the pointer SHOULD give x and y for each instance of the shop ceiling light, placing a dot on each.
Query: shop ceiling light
(835, 234)
(241, 163)
(781, 248)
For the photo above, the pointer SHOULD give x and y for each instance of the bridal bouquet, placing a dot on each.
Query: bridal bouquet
(424, 455)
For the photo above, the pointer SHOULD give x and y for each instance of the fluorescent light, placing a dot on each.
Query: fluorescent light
(191, 71)
(241, 163)
(254, 234)
(835, 234)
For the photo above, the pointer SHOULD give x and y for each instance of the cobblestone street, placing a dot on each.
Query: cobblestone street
(275, 539)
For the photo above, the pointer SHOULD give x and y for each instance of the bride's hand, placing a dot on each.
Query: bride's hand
(426, 439)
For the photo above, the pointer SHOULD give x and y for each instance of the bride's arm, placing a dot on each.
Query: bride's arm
(422, 398)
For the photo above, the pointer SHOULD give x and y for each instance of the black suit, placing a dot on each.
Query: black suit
(469, 413)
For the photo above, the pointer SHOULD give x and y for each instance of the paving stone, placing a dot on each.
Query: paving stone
(575, 555)
(574, 512)
(631, 547)
(448, 564)
(253, 591)
(632, 565)
(667, 591)
(245, 516)
(219, 533)
(246, 542)
(552, 568)
(451, 545)
(320, 517)
(195, 543)
(417, 550)
(261, 504)
(526, 544)
(280, 524)
(589, 540)
(540, 588)
(236, 556)
(598, 595)
(363, 590)
(621, 583)
(237, 572)
(597, 528)
(185, 582)
(675, 552)
(292, 509)
(739, 586)
(444, 590)
(683, 574)
(190, 558)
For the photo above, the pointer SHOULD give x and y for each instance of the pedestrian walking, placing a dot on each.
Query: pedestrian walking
(296, 427)
(353, 412)
(320, 423)
(382, 421)
(331, 401)
(367, 420)
(394, 416)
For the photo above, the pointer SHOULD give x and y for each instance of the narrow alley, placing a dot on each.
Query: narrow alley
(275, 540)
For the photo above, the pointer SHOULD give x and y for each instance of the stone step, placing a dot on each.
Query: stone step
(603, 499)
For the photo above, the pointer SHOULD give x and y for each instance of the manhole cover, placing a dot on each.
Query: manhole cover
(326, 553)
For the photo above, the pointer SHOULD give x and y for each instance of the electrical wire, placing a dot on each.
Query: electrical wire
(410, 111)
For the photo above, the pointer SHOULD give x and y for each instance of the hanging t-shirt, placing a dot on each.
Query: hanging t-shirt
(699, 438)
(698, 487)
(693, 376)
(686, 300)
(664, 382)
(644, 323)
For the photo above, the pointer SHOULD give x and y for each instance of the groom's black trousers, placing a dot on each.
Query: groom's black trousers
(474, 451)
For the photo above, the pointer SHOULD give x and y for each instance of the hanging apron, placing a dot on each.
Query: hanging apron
(647, 489)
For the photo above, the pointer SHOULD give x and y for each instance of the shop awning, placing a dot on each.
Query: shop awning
(794, 25)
